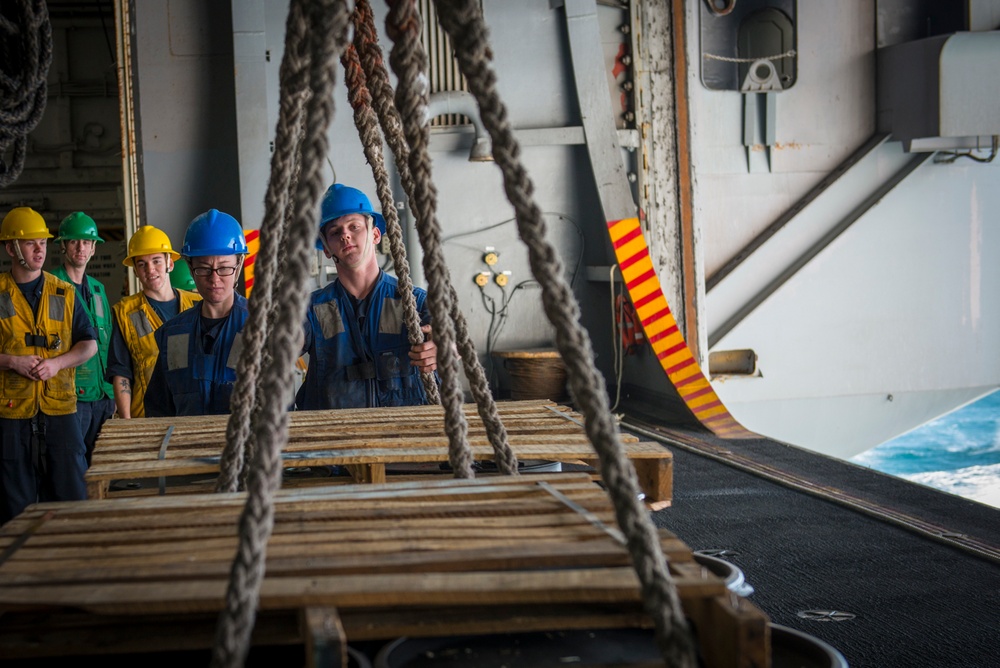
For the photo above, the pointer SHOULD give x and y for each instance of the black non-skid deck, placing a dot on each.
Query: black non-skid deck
(824, 563)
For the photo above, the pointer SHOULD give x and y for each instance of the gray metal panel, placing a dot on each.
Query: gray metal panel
(970, 85)
(944, 86)
(595, 108)
(819, 123)
(909, 88)
(187, 109)
(253, 128)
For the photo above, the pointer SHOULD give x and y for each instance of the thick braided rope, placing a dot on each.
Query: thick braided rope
(366, 41)
(328, 21)
(250, 451)
(371, 140)
(240, 437)
(462, 20)
(503, 455)
(26, 46)
(409, 62)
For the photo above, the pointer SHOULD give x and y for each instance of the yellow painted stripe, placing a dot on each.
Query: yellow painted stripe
(632, 254)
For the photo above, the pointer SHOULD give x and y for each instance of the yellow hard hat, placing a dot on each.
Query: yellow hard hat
(24, 222)
(148, 240)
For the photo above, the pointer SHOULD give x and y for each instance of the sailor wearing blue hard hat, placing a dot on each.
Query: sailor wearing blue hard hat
(199, 349)
(355, 334)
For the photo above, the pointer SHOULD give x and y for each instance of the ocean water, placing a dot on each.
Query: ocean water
(958, 453)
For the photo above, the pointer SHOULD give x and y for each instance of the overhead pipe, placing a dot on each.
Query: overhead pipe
(442, 104)
(462, 103)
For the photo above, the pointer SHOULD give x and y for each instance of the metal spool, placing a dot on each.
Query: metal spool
(535, 374)
(732, 574)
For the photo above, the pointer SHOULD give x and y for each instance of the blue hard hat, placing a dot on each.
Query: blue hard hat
(214, 233)
(341, 200)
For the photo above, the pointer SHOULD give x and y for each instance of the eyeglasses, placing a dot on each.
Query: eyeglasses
(208, 271)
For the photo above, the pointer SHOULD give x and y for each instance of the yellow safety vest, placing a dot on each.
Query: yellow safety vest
(138, 320)
(49, 334)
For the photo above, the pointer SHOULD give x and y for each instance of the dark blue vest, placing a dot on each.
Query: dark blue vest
(201, 383)
(360, 363)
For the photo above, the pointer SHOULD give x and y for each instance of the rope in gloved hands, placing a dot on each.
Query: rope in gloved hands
(409, 62)
(371, 140)
(382, 95)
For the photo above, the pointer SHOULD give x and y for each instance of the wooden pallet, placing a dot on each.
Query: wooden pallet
(439, 557)
(364, 440)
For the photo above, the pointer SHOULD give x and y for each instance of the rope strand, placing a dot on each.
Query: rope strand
(240, 438)
(371, 140)
(463, 21)
(366, 39)
(26, 46)
(409, 62)
(328, 23)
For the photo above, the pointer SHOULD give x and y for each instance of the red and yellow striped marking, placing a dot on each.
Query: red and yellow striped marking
(661, 331)
(253, 246)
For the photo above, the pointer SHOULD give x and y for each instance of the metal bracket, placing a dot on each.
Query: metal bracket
(759, 87)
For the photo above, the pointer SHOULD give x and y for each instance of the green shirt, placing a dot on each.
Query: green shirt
(91, 383)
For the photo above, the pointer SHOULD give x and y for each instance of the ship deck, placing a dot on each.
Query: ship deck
(889, 572)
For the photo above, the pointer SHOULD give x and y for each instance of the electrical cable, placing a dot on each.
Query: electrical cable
(616, 340)
(579, 233)
(948, 157)
(500, 313)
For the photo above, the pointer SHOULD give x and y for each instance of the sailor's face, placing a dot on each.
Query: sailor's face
(32, 250)
(79, 251)
(351, 239)
(153, 270)
(213, 287)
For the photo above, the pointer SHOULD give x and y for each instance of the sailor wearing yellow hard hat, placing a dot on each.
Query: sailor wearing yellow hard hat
(44, 335)
(133, 350)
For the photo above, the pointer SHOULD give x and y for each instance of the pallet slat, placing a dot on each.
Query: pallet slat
(383, 558)
(364, 441)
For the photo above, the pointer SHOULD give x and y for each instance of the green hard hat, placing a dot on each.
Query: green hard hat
(78, 225)
(181, 277)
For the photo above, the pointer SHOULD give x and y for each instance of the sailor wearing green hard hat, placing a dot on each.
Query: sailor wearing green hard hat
(95, 403)
(181, 277)
(44, 335)
(199, 349)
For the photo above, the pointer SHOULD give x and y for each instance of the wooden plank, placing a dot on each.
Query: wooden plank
(363, 440)
(326, 643)
(430, 557)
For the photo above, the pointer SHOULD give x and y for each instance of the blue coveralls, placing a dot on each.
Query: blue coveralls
(196, 369)
(359, 352)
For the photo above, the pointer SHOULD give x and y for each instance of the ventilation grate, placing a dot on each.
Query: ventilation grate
(443, 70)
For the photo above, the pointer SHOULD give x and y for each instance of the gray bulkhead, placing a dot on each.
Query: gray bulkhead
(206, 141)
(859, 274)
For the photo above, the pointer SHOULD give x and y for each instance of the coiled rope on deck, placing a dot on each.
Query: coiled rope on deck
(317, 30)
(377, 80)
(26, 39)
(463, 21)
